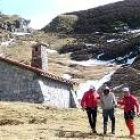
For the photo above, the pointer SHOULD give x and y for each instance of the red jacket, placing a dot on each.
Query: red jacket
(129, 102)
(90, 99)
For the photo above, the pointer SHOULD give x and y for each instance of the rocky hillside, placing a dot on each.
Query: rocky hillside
(119, 48)
(13, 23)
(115, 17)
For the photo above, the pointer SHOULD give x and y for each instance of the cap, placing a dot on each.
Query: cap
(92, 87)
(126, 89)
(106, 88)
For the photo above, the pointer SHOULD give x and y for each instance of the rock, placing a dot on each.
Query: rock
(78, 135)
(61, 134)
(69, 134)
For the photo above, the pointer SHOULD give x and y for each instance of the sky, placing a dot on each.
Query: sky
(41, 12)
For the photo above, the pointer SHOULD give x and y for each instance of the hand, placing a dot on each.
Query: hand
(83, 109)
(115, 106)
(138, 114)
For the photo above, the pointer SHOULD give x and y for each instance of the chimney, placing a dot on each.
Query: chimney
(40, 56)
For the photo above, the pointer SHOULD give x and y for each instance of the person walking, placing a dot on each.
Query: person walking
(108, 104)
(90, 103)
(129, 102)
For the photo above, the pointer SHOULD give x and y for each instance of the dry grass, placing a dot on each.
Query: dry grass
(58, 64)
(35, 122)
(54, 40)
(20, 52)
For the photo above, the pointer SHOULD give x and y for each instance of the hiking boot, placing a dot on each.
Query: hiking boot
(113, 132)
(105, 129)
(105, 132)
(94, 131)
(132, 136)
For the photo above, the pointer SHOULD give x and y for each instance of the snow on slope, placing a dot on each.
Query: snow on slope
(92, 62)
(97, 83)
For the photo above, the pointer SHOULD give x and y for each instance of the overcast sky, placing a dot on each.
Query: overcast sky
(41, 12)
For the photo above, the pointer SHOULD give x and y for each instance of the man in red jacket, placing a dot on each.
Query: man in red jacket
(90, 102)
(129, 102)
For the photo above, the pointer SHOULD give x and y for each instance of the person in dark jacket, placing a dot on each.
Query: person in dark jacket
(90, 102)
(129, 102)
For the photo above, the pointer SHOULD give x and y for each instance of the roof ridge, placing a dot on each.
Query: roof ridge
(36, 70)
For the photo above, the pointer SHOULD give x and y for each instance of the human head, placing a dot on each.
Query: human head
(126, 91)
(106, 90)
(92, 88)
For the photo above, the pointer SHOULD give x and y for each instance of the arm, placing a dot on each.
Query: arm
(136, 103)
(98, 98)
(83, 100)
(101, 101)
(114, 99)
(121, 102)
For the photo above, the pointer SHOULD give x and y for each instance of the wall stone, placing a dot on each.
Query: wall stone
(19, 84)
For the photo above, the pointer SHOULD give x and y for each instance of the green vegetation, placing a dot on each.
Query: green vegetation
(63, 24)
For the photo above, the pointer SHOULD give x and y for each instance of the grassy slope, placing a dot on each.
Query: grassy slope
(36, 122)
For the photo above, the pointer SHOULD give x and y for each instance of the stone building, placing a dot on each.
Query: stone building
(20, 82)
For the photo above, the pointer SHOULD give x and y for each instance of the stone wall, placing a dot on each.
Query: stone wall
(20, 84)
(44, 57)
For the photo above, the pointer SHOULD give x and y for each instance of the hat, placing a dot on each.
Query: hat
(126, 89)
(106, 88)
(92, 87)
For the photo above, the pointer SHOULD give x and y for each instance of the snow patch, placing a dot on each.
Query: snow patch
(51, 51)
(117, 87)
(21, 33)
(134, 31)
(98, 57)
(67, 76)
(92, 62)
(111, 40)
(114, 40)
(130, 60)
(96, 62)
(83, 87)
(88, 44)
